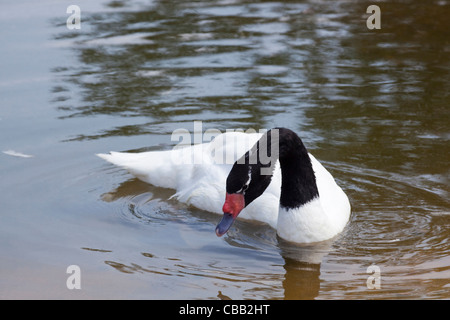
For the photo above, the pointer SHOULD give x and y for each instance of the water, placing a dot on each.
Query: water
(372, 105)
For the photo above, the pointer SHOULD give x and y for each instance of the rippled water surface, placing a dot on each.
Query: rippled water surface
(371, 105)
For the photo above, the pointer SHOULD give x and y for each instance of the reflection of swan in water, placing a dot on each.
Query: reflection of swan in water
(302, 266)
(301, 280)
(134, 187)
(301, 262)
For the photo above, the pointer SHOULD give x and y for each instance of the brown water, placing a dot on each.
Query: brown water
(372, 105)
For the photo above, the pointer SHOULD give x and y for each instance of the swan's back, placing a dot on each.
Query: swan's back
(184, 164)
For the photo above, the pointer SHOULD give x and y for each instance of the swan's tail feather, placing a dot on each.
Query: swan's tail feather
(151, 167)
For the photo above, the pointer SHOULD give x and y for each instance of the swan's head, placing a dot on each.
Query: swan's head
(245, 183)
(234, 203)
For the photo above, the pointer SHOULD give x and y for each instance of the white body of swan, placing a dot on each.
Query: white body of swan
(198, 174)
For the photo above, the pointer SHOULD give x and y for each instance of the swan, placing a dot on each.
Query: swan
(268, 177)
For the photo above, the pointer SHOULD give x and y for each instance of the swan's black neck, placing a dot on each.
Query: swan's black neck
(298, 182)
(251, 176)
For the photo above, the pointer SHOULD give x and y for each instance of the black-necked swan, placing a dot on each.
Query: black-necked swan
(284, 186)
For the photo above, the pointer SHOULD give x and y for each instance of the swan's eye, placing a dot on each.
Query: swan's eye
(244, 187)
(247, 183)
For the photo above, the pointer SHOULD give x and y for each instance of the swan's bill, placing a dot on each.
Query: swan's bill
(224, 224)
